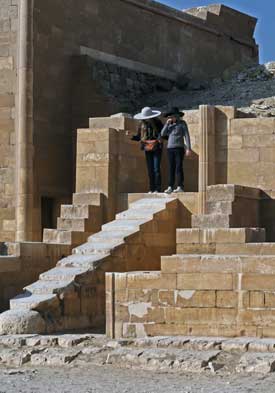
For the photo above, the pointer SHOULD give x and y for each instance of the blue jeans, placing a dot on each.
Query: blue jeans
(153, 160)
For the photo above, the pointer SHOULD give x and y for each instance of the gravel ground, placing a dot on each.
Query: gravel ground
(109, 379)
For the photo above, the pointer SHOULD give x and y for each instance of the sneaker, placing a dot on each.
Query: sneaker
(150, 192)
(179, 189)
(169, 190)
(156, 192)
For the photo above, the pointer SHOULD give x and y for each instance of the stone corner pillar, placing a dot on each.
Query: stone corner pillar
(206, 153)
(24, 124)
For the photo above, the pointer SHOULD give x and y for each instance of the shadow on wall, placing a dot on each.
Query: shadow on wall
(267, 214)
(221, 147)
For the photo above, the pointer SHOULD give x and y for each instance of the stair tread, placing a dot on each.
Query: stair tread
(48, 286)
(80, 260)
(95, 248)
(105, 236)
(124, 223)
(61, 271)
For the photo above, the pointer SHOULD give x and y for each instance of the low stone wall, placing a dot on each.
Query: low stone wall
(192, 296)
(18, 271)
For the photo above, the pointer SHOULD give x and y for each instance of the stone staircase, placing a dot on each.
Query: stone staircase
(72, 295)
(77, 221)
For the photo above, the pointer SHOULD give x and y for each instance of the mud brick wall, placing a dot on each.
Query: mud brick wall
(8, 42)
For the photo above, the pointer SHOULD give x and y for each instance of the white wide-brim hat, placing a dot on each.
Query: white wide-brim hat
(147, 113)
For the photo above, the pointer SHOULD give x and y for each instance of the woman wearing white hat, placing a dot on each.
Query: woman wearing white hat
(149, 134)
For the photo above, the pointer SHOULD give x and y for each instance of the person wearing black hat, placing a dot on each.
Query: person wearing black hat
(179, 145)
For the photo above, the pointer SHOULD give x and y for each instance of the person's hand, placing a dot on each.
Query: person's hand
(188, 153)
(169, 121)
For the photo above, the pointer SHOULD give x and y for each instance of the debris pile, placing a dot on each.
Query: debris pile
(251, 90)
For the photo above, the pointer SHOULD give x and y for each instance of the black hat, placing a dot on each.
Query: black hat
(174, 112)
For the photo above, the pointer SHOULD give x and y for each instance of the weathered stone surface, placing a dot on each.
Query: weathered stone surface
(21, 322)
(257, 363)
(54, 357)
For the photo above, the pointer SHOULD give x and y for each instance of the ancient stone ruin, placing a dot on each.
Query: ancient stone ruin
(83, 246)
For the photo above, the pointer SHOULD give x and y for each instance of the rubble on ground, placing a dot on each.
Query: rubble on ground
(251, 90)
(161, 354)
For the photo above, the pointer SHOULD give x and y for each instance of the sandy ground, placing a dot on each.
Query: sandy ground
(110, 379)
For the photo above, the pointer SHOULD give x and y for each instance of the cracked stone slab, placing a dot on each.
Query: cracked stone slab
(160, 359)
(263, 363)
(16, 358)
(21, 322)
(16, 340)
(237, 344)
(69, 340)
(54, 357)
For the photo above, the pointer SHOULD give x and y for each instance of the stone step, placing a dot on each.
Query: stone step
(75, 211)
(211, 221)
(151, 203)
(267, 249)
(137, 214)
(63, 273)
(96, 248)
(106, 236)
(41, 287)
(254, 265)
(94, 199)
(228, 192)
(66, 224)
(227, 248)
(28, 301)
(129, 225)
(55, 236)
(220, 235)
(88, 261)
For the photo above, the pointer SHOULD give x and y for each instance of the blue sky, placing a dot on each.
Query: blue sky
(264, 10)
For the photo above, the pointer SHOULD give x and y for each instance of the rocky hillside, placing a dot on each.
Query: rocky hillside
(251, 90)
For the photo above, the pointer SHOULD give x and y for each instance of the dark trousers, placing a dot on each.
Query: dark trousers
(153, 160)
(175, 162)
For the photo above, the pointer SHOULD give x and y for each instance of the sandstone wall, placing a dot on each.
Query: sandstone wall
(8, 41)
(245, 155)
(112, 34)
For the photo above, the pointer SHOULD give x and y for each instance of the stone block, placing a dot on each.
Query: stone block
(188, 236)
(151, 280)
(193, 298)
(200, 316)
(254, 282)
(205, 281)
(269, 299)
(227, 299)
(256, 299)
